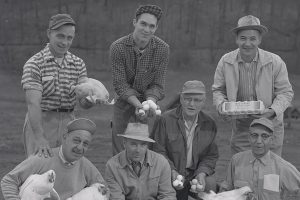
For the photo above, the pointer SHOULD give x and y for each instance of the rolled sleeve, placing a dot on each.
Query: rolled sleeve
(31, 79)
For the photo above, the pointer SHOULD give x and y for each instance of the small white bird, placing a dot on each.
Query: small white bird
(94, 91)
(39, 187)
(237, 194)
(96, 191)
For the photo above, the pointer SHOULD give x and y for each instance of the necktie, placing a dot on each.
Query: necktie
(136, 166)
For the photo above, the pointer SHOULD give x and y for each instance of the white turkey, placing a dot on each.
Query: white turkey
(39, 187)
(237, 194)
(96, 191)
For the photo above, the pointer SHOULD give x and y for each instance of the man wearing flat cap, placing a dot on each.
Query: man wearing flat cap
(268, 175)
(139, 64)
(73, 171)
(251, 74)
(186, 136)
(138, 173)
(49, 80)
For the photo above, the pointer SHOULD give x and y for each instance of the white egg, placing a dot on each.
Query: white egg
(152, 104)
(142, 112)
(194, 181)
(146, 107)
(158, 112)
(179, 177)
(176, 183)
(193, 187)
(199, 187)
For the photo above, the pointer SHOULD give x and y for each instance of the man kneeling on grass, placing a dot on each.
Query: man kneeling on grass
(73, 171)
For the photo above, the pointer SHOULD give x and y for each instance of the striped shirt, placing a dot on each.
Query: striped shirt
(139, 73)
(44, 73)
(247, 73)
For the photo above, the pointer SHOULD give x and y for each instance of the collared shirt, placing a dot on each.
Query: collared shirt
(140, 74)
(247, 73)
(44, 73)
(154, 181)
(269, 177)
(190, 131)
(62, 157)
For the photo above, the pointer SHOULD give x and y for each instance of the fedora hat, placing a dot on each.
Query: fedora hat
(249, 22)
(137, 131)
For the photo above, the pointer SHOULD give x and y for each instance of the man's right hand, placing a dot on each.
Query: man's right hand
(174, 177)
(42, 148)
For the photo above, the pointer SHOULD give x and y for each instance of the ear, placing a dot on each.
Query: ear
(48, 33)
(134, 22)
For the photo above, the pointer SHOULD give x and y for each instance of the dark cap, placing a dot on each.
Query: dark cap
(58, 20)
(264, 122)
(249, 22)
(194, 86)
(82, 124)
(151, 9)
(137, 131)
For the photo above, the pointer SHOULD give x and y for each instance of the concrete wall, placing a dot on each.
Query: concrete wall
(197, 30)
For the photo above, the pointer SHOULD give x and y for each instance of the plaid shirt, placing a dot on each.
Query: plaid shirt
(139, 75)
(42, 72)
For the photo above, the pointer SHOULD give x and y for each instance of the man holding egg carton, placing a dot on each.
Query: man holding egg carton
(186, 135)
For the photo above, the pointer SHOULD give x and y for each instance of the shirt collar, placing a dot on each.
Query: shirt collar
(194, 122)
(265, 160)
(50, 58)
(62, 157)
(130, 42)
(239, 58)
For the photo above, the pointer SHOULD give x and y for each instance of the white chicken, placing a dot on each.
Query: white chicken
(39, 187)
(96, 191)
(237, 194)
(94, 91)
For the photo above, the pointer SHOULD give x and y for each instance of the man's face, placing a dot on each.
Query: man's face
(248, 42)
(260, 139)
(192, 104)
(144, 27)
(61, 39)
(75, 144)
(135, 149)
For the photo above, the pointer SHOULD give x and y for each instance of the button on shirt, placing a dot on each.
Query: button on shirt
(45, 73)
(269, 177)
(139, 74)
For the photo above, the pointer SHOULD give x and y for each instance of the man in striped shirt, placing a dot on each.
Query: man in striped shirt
(250, 73)
(49, 80)
(139, 63)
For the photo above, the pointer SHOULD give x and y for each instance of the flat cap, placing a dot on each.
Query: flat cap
(58, 20)
(151, 9)
(81, 124)
(264, 122)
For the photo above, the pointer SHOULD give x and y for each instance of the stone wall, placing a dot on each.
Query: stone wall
(197, 30)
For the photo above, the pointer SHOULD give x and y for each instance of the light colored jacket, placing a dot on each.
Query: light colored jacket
(272, 84)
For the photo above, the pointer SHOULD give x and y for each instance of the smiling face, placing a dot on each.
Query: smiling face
(260, 139)
(192, 104)
(75, 144)
(144, 28)
(61, 39)
(248, 42)
(135, 149)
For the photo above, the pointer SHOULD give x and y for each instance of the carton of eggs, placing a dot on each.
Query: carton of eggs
(243, 107)
(196, 186)
(178, 181)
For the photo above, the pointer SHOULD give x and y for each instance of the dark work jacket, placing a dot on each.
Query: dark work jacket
(169, 134)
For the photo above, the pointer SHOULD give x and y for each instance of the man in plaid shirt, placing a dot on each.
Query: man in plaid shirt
(139, 63)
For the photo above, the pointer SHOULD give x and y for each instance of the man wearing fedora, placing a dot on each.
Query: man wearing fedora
(186, 136)
(49, 80)
(268, 175)
(138, 173)
(139, 63)
(249, 74)
(73, 171)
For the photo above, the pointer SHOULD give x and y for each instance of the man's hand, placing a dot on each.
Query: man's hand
(42, 148)
(268, 113)
(201, 180)
(174, 177)
(225, 117)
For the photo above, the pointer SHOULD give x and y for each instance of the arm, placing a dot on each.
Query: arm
(228, 183)
(282, 89)
(11, 182)
(219, 86)
(160, 136)
(290, 179)
(121, 86)
(165, 189)
(92, 174)
(116, 192)
(33, 100)
(156, 89)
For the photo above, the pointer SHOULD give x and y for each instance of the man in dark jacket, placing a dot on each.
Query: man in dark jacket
(186, 137)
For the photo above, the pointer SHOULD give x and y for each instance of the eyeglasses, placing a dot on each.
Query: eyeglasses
(190, 99)
(255, 136)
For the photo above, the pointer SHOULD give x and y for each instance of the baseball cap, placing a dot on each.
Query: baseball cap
(58, 20)
(194, 86)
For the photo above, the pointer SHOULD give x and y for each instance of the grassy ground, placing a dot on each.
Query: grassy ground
(13, 109)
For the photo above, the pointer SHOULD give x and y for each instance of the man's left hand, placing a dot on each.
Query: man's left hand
(268, 113)
(201, 180)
